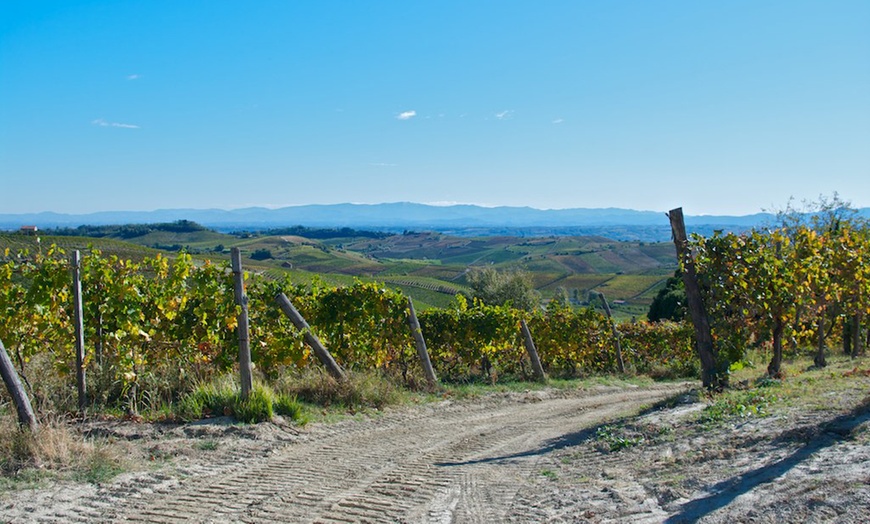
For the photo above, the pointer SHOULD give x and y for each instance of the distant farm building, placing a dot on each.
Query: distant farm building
(29, 230)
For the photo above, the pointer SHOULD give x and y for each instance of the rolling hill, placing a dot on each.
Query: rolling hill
(429, 266)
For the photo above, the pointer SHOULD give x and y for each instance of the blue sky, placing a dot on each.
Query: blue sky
(718, 107)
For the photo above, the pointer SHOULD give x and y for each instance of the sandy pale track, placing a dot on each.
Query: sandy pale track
(453, 462)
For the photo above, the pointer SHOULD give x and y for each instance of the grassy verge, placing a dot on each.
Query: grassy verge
(805, 392)
(54, 451)
(803, 387)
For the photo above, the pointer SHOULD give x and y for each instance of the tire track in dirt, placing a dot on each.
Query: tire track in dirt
(454, 462)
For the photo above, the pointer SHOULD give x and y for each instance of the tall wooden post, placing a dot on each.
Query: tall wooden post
(78, 318)
(313, 342)
(244, 332)
(26, 418)
(620, 364)
(420, 342)
(703, 334)
(537, 368)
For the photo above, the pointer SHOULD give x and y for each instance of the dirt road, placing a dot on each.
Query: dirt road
(448, 462)
(539, 456)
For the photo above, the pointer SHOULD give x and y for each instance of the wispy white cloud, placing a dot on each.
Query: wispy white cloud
(103, 123)
(407, 115)
(558, 121)
(383, 164)
(504, 115)
(133, 77)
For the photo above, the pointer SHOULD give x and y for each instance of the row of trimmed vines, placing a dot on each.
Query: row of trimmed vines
(155, 327)
(789, 287)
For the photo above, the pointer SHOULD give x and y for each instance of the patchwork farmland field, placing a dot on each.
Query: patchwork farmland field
(428, 266)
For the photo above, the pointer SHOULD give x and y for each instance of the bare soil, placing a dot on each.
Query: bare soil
(593, 455)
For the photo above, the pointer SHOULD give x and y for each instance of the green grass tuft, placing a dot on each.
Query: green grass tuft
(222, 397)
(256, 408)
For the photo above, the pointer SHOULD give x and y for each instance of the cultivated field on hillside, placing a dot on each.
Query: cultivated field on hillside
(430, 267)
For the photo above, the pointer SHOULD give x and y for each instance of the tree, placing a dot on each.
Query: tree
(561, 297)
(261, 254)
(823, 215)
(497, 288)
(670, 302)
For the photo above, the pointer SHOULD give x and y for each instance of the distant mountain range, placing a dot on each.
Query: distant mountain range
(465, 220)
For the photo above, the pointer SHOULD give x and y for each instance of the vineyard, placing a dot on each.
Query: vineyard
(155, 327)
(801, 285)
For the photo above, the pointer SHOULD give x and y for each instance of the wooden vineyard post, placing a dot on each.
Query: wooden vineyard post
(537, 368)
(26, 418)
(620, 364)
(319, 350)
(420, 342)
(703, 334)
(244, 331)
(78, 318)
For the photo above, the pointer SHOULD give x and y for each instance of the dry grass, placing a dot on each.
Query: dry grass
(360, 391)
(54, 450)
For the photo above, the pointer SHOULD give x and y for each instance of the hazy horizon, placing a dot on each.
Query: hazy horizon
(430, 204)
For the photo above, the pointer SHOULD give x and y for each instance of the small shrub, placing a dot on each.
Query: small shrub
(737, 404)
(614, 438)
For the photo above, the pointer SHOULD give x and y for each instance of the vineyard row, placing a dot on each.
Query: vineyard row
(153, 325)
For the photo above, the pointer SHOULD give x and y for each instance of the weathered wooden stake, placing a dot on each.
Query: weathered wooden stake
(537, 368)
(420, 342)
(78, 318)
(620, 364)
(26, 418)
(703, 334)
(244, 331)
(310, 338)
